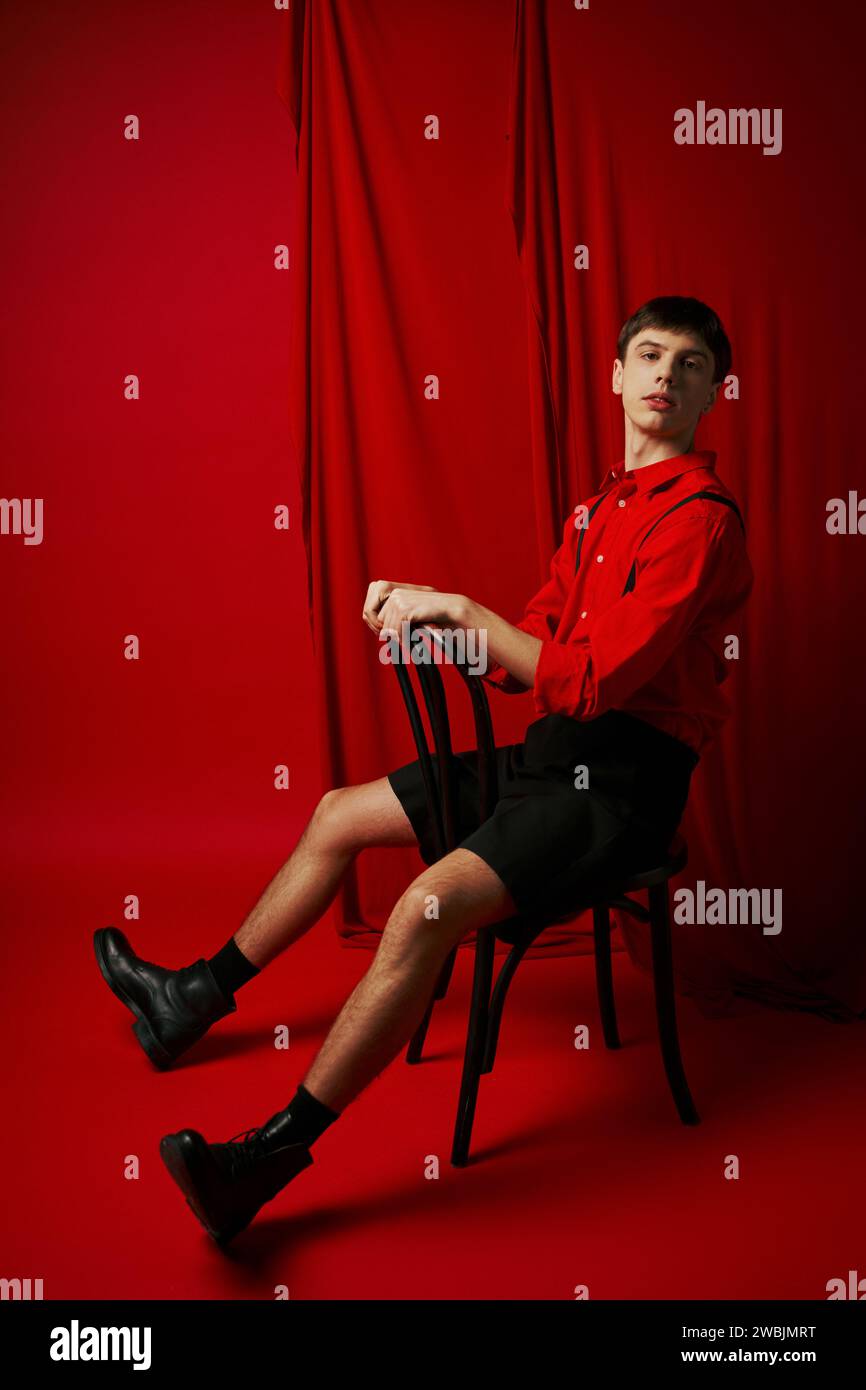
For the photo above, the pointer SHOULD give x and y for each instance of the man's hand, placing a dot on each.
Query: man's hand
(378, 592)
(421, 604)
(389, 605)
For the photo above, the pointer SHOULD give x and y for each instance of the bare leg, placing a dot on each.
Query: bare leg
(345, 821)
(386, 1006)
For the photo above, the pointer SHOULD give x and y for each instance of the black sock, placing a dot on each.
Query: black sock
(310, 1117)
(230, 967)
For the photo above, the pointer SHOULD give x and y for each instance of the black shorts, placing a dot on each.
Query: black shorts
(554, 844)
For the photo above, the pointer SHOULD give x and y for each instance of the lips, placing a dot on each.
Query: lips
(661, 401)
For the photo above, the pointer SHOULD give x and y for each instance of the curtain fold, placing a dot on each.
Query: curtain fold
(451, 402)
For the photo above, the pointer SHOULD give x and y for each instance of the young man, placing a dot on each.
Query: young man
(623, 649)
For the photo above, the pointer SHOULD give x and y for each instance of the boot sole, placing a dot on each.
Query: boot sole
(142, 1030)
(172, 1156)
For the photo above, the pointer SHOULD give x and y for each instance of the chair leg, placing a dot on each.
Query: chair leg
(416, 1043)
(604, 974)
(445, 975)
(663, 979)
(497, 1003)
(476, 1037)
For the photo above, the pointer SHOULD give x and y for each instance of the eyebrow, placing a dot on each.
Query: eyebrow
(648, 342)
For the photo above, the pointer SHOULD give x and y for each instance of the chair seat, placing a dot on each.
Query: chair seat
(516, 929)
(674, 861)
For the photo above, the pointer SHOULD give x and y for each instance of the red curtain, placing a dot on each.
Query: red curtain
(452, 160)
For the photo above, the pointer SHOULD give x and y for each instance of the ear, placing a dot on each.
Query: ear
(616, 381)
(711, 398)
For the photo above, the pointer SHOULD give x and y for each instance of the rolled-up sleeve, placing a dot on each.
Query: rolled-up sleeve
(687, 570)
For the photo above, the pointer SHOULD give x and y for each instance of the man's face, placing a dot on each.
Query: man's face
(659, 363)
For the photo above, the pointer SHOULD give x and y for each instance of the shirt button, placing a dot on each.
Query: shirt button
(599, 559)
(583, 614)
(621, 503)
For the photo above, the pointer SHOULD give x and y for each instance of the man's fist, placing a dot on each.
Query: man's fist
(376, 595)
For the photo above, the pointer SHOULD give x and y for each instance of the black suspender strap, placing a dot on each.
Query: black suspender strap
(592, 511)
(629, 583)
(710, 497)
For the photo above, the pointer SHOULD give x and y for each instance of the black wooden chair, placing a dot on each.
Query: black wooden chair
(488, 1000)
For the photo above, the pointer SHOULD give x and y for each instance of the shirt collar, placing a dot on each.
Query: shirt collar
(653, 474)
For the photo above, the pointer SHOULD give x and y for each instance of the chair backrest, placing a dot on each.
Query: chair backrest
(441, 804)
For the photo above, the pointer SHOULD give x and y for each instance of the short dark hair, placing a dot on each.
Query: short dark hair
(677, 311)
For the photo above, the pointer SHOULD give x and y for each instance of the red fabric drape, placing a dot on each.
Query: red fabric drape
(556, 131)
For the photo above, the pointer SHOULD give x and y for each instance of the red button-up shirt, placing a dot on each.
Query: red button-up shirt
(657, 653)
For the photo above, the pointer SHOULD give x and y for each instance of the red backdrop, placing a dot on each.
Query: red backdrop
(156, 776)
(417, 255)
(154, 257)
(409, 256)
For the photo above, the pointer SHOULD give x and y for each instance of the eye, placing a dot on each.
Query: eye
(649, 354)
(691, 362)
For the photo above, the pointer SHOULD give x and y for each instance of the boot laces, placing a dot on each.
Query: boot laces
(247, 1147)
(245, 1135)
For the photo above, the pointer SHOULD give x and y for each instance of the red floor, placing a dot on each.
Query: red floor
(582, 1172)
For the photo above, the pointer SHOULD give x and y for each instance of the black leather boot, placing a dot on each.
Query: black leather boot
(174, 1008)
(225, 1185)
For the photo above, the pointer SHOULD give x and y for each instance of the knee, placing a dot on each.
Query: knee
(413, 927)
(417, 908)
(330, 819)
(330, 800)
